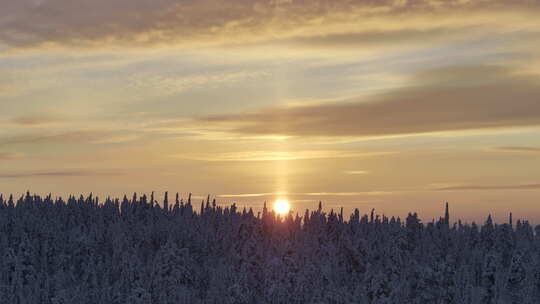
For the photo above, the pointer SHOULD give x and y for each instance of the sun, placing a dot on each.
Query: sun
(282, 206)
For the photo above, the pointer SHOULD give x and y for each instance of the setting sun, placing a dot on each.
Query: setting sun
(282, 206)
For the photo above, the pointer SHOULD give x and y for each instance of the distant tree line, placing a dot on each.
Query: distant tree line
(138, 251)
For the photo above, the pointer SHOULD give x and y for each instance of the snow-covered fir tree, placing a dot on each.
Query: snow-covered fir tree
(81, 250)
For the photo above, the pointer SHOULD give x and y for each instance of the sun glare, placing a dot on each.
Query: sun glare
(282, 206)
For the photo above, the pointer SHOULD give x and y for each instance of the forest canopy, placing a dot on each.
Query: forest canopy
(81, 250)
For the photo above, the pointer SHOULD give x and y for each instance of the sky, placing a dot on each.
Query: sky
(395, 105)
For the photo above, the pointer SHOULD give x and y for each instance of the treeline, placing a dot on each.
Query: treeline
(138, 251)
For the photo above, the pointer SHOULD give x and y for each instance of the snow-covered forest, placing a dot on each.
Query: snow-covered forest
(138, 251)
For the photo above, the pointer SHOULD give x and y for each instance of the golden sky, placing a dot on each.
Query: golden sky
(393, 105)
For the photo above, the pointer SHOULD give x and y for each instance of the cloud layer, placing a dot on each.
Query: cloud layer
(447, 99)
(66, 137)
(139, 22)
(277, 155)
(486, 187)
(532, 150)
(60, 174)
(8, 156)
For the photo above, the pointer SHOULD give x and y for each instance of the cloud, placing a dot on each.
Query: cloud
(377, 38)
(356, 172)
(86, 136)
(484, 187)
(9, 156)
(242, 195)
(116, 139)
(45, 174)
(444, 99)
(277, 155)
(533, 150)
(48, 138)
(140, 22)
(347, 193)
(34, 120)
(170, 85)
(290, 194)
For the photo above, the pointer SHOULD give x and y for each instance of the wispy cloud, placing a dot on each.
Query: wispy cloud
(356, 172)
(247, 195)
(9, 156)
(347, 193)
(48, 138)
(60, 173)
(494, 97)
(84, 136)
(277, 155)
(170, 85)
(534, 150)
(489, 187)
(35, 120)
(161, 22)
(300, 194)
(382, 38)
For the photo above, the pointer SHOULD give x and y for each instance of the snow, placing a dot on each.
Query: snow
(135, 251)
